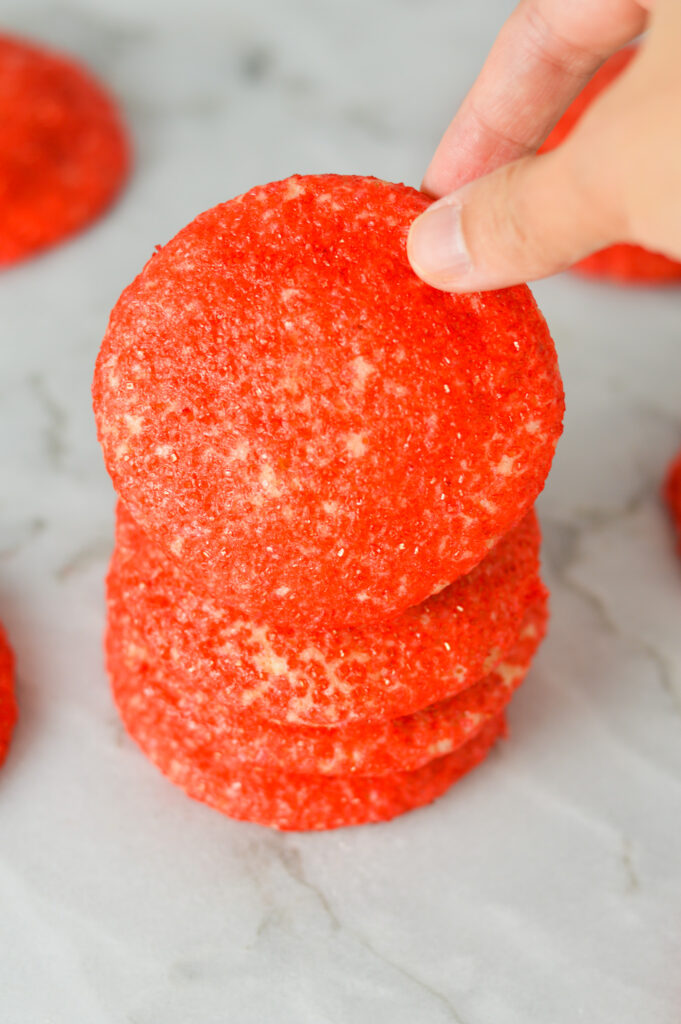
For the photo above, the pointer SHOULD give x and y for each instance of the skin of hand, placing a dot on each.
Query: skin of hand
(505, 215)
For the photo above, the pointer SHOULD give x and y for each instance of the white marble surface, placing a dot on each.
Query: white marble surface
(547, 886)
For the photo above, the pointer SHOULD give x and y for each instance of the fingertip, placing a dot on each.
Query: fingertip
(436, 247)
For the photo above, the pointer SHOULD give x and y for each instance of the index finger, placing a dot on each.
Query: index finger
(542, 58)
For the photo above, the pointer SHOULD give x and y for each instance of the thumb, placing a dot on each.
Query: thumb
(526, 220)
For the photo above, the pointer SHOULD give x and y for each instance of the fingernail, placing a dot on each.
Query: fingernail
(436, 245)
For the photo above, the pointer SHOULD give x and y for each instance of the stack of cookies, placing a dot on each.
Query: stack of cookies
(325, 586)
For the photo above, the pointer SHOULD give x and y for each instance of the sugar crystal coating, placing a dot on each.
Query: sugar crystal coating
(365, 748)
(623, 262)
(63, 151)
(311, 432)
(324, 677)
(8, 707)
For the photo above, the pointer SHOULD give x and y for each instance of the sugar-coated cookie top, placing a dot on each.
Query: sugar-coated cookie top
(311, 432)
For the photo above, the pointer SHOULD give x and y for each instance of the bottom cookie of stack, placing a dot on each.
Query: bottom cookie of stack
(280, 799)
(305, 777)
(368, 747)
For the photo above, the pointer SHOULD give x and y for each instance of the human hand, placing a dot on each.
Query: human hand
(508, 215)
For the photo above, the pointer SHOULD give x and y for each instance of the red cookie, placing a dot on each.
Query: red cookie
(285, 800)
(8, 707)
(365, 748)
(63, 152)
(672, 493)
(311, 432)
(325, 677)
(628, 263)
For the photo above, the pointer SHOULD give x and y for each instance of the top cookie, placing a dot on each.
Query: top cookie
(309, 430)
(63, 152)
